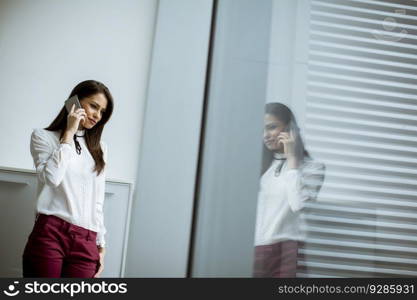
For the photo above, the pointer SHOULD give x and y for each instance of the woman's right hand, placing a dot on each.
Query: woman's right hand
(74, 118)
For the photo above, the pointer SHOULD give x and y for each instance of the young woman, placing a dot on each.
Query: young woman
(290, 178)
(67, 239)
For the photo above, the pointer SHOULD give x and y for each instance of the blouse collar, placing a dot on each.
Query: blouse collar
(279, 156)
(80, 132)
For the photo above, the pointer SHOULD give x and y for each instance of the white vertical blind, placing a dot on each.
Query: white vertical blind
(361, 121)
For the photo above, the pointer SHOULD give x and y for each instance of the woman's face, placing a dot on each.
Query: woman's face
(272, 128)
(94, 107)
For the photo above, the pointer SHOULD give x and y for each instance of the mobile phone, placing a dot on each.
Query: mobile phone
(287, 128)
(72, 100)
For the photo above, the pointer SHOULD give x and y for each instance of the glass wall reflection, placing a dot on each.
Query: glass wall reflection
(337, 194)
(332, 86)
(290, 179)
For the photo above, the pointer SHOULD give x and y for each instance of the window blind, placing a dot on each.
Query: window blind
(361, 121)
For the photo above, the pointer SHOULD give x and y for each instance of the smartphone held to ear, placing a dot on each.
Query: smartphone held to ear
(71, 101)
(291, 127)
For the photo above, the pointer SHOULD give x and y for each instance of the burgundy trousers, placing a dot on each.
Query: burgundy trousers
(278, 260)
(56, 248)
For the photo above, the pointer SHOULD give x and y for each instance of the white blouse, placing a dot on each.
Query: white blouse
(68, 187)
(281, 197)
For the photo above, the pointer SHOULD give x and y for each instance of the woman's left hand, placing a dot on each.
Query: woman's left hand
(289, 142)
(101, 264)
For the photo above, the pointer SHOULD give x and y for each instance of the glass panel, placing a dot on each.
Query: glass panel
(336, 187)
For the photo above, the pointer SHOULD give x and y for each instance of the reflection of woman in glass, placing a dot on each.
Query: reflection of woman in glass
(67, 239)
(290, 178)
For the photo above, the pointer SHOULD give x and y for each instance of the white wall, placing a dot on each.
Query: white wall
(48, 46)
(231, 151)
(159, 237)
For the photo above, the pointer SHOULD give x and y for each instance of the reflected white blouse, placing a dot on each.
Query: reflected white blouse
(68, 187)
(281, 197)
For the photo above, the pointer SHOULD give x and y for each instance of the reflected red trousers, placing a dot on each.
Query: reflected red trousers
(56, 248)
(278, 260)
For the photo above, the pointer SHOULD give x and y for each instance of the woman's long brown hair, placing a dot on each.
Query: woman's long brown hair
(285, 115)
(92, 136)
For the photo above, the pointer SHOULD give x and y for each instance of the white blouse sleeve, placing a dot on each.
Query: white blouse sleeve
(100, 241)
(50, 161)
(304, 184)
